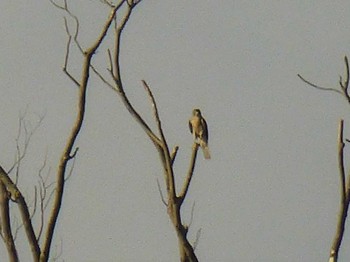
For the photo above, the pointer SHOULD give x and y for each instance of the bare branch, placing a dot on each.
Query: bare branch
(111, 69)
(344, 203)
(173, 154)
(59, 6)
(101, 77)
(35, 203)
(110, 4)
(21, 153)
(188, 179)
(72, 166)
(118, 32)
(115, 73)
(165, 155)
(341, 161)
(345, 85)
(156, 141)
(6, 231)
(77, 25)
(167, 158)
(65, 70)
(319, 87)
(67, 152)
(198, 235)
(161, 193)
(192, 214)
(43, 188)
(23, 208)
(155, 110)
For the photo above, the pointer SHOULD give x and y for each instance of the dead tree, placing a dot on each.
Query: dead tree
(40, 240)
(114, 81)
(344, 179)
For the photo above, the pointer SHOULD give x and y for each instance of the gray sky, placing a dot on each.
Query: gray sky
(270, 191)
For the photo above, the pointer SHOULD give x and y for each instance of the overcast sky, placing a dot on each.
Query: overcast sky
(270, 191)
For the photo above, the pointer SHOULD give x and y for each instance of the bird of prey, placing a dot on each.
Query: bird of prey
(199, 129)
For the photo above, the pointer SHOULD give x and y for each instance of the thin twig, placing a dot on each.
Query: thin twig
(101, 77)
(20, 154)
(198, 235)
(164, 145)
(345, 84)
(320, 87)
(192, 214)
(173, 154)
(71, 168)
(65, 70)
(161, 193)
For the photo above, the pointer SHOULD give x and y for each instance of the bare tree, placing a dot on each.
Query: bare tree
(344, 179)
(40, 241)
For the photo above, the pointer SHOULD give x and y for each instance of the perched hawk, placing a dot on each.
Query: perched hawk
(199, 129)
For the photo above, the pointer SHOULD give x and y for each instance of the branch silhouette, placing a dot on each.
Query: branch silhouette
(344, 181)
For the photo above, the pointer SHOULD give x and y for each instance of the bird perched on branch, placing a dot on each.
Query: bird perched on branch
(199, 129)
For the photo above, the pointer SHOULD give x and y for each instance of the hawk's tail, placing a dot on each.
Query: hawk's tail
(206, 151)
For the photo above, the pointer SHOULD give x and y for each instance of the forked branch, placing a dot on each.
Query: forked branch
(344, 85)
(16, 196)
(344, 182)
(68, 153)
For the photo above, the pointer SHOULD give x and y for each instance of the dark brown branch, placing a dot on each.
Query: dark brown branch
(65, 70)
(344, 85)
(6, 231)
(161, 193)
(319, 87)
(72, 167)
(173, 154)
(111, 67)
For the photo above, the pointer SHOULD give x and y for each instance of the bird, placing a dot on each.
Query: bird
(199, 129)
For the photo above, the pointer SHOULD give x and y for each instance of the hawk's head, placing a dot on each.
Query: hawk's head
(196, 112)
